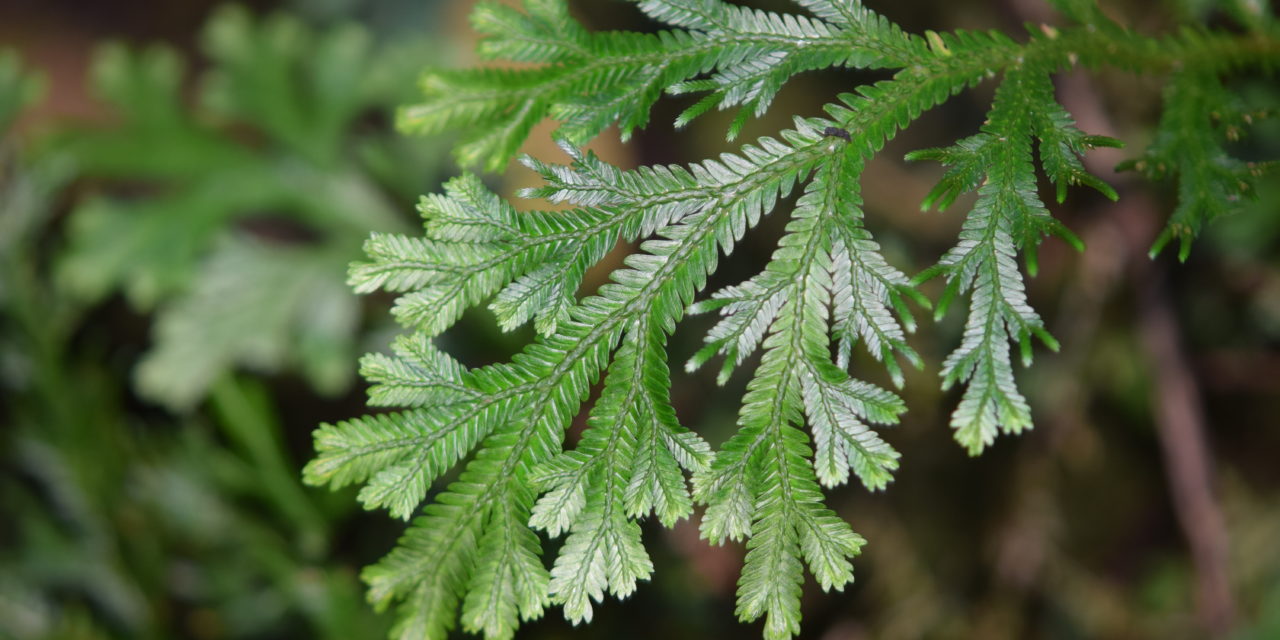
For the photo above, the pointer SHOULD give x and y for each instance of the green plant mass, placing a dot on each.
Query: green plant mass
(473, 556)
(229, 212)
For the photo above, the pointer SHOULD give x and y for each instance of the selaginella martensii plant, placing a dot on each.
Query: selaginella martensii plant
(474, 555)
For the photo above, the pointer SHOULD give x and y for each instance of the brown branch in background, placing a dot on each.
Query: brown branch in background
(1180, 419)
(1179, 413)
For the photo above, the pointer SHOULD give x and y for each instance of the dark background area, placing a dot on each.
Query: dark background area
(127, 511)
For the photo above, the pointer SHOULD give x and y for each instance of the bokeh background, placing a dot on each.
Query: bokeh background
(182, 185)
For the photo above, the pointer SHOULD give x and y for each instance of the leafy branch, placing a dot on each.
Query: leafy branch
(471, 555)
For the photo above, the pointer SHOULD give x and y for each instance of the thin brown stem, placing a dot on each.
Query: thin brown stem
(1176, 398)
(1180, 420)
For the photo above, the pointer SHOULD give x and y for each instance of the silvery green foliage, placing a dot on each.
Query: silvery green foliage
(237, 211)
(806, 423)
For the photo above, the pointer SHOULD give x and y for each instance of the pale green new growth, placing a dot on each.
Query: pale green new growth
(805, 422)
(252, 198)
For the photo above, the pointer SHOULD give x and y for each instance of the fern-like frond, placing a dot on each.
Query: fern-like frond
(301, 87)
(749, 309)
(398, 456)
(695, 212)
(267, 143)
(806, 421)
(752, 77)
(591, 80)
(476, 245)
(1190, 147)
(762, 484)
(627, 463)
(527, 405)
(866, 291)
(418, 374)
(1008, 217)
(838, 407)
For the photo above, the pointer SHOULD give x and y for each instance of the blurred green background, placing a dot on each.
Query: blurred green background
(183, 184)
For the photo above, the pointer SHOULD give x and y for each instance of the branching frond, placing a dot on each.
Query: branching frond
(591, 80)
(527, 404)
(1008, 217)
(806, 421)
(1199, 118)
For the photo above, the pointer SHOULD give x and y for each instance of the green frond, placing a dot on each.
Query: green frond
(663, 446)
(966, 161)
(839, 12)
(476, 245)
(627, 464)
(471, 545)
(487, 554)
(838, 409)
(791, 526)
(527, 404)
(546, 33)
(779, 508)
(1008, 217)
(826, 290)
(1062, 145)
(787, 521)
(267, 140)
(753, 73)
(866, 291)
(1190, 147)
(729, 486)
(772, 573)
(591, 80)
(546, 384)
(837, 406)
(603, 550)
(509, 583)
(301, 87)
(985, 262)
(417, 375)
(397, 456)
(748, 310)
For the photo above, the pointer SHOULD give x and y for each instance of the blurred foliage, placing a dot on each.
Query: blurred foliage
(17, 90)
(470, 559)
(226, 206)
(276, 173)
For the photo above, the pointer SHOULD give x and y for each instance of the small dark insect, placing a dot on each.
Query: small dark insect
(837, 132)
